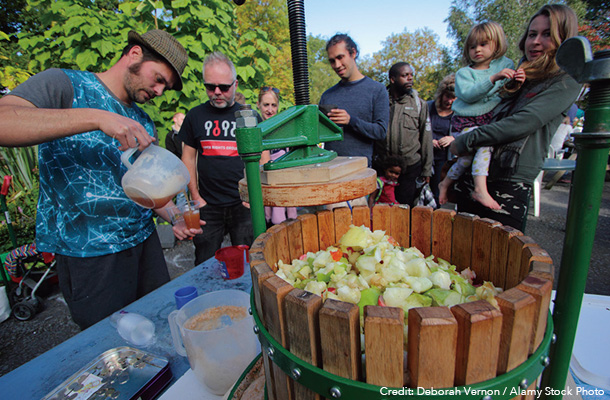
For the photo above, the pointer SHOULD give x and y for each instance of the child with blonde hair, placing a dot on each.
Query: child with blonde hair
(476, 87)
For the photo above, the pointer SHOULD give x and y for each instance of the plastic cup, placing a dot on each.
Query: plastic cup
(184, 295)
(190, 213)
(175, 215)
(231, 260)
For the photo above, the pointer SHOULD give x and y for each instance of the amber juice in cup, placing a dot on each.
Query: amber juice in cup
(191, 218)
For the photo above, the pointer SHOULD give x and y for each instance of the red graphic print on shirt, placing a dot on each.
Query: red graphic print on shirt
(219, 148)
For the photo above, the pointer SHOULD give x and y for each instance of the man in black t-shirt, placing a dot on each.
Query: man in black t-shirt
(210, 154)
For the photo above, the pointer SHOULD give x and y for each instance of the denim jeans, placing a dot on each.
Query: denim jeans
(234, 220)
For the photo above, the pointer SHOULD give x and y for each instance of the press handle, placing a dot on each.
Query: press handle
(175, 331)
(127, 155)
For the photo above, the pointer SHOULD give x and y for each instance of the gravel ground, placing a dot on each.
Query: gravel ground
(20, 341)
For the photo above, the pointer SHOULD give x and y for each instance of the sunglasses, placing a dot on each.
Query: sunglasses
(268, 88)
(223, 88)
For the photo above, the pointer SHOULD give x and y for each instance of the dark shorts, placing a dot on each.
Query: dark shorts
(513, 197)
(95, 287)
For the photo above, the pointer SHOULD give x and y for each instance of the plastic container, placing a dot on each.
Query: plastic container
(217, 356)
(154, 178)
(134, 328)
(232, 260)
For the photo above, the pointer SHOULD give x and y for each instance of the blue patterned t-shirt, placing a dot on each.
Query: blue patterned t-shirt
(82, 209)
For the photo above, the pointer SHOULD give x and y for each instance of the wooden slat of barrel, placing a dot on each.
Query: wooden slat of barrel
(260, 273)
(282, 249)
(442, 226)
(540, 290)
(479, 330)
(463, 226)
(340, 339)
(343, 219)
(295, 238)
(301, 309)
(326, 229)
(543, 270)
(381, 218)
(481, 247)
(513, 265)
(501, 235)
(309, 226)
(432, 343)
(400, 216)
(269, 378)
(272, 296)
(361, 215)
(421, 229)
(383, 344)
(259, 251)
(518, 309)
(533, 253)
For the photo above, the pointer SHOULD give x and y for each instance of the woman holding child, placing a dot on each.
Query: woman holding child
(524, 122)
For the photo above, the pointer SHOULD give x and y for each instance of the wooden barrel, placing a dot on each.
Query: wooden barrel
(447, 347)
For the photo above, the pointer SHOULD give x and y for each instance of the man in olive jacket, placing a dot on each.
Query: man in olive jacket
(409, 134)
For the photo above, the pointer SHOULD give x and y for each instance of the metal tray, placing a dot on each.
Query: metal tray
(122, 373)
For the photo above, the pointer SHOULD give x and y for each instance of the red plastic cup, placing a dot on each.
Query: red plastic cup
(231, 261)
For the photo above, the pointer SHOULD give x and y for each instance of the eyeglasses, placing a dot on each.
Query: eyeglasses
(268, 88)
(223, 88)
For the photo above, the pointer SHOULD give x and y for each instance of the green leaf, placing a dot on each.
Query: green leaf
(91, 30)
(180, 3)
(127, 7)
(75, 22)
(85, 59)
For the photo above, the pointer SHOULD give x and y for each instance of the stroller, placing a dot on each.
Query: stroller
(27, 267)
(31, 269)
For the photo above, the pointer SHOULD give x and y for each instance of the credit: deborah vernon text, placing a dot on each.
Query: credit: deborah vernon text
(514, 391)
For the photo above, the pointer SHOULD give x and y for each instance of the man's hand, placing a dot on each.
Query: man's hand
(339, 116)
(128, 132)
(182, 232)
(445, 141)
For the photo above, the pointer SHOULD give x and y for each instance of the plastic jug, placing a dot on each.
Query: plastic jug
(154, 178)
(218, 356)
(232, 260)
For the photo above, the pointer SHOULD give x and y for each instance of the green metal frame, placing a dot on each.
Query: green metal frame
(301, 128)
(505, 386)
(592, 146)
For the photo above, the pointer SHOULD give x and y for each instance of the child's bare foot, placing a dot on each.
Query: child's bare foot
(486, 199)
(443, 187)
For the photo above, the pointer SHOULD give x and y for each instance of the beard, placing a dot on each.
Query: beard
(132, 81)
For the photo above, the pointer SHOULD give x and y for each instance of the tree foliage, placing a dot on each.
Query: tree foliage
(90, 35)
(270, 17)
(321, 75)
(421, 49)
(597, 26)
(513, 15)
